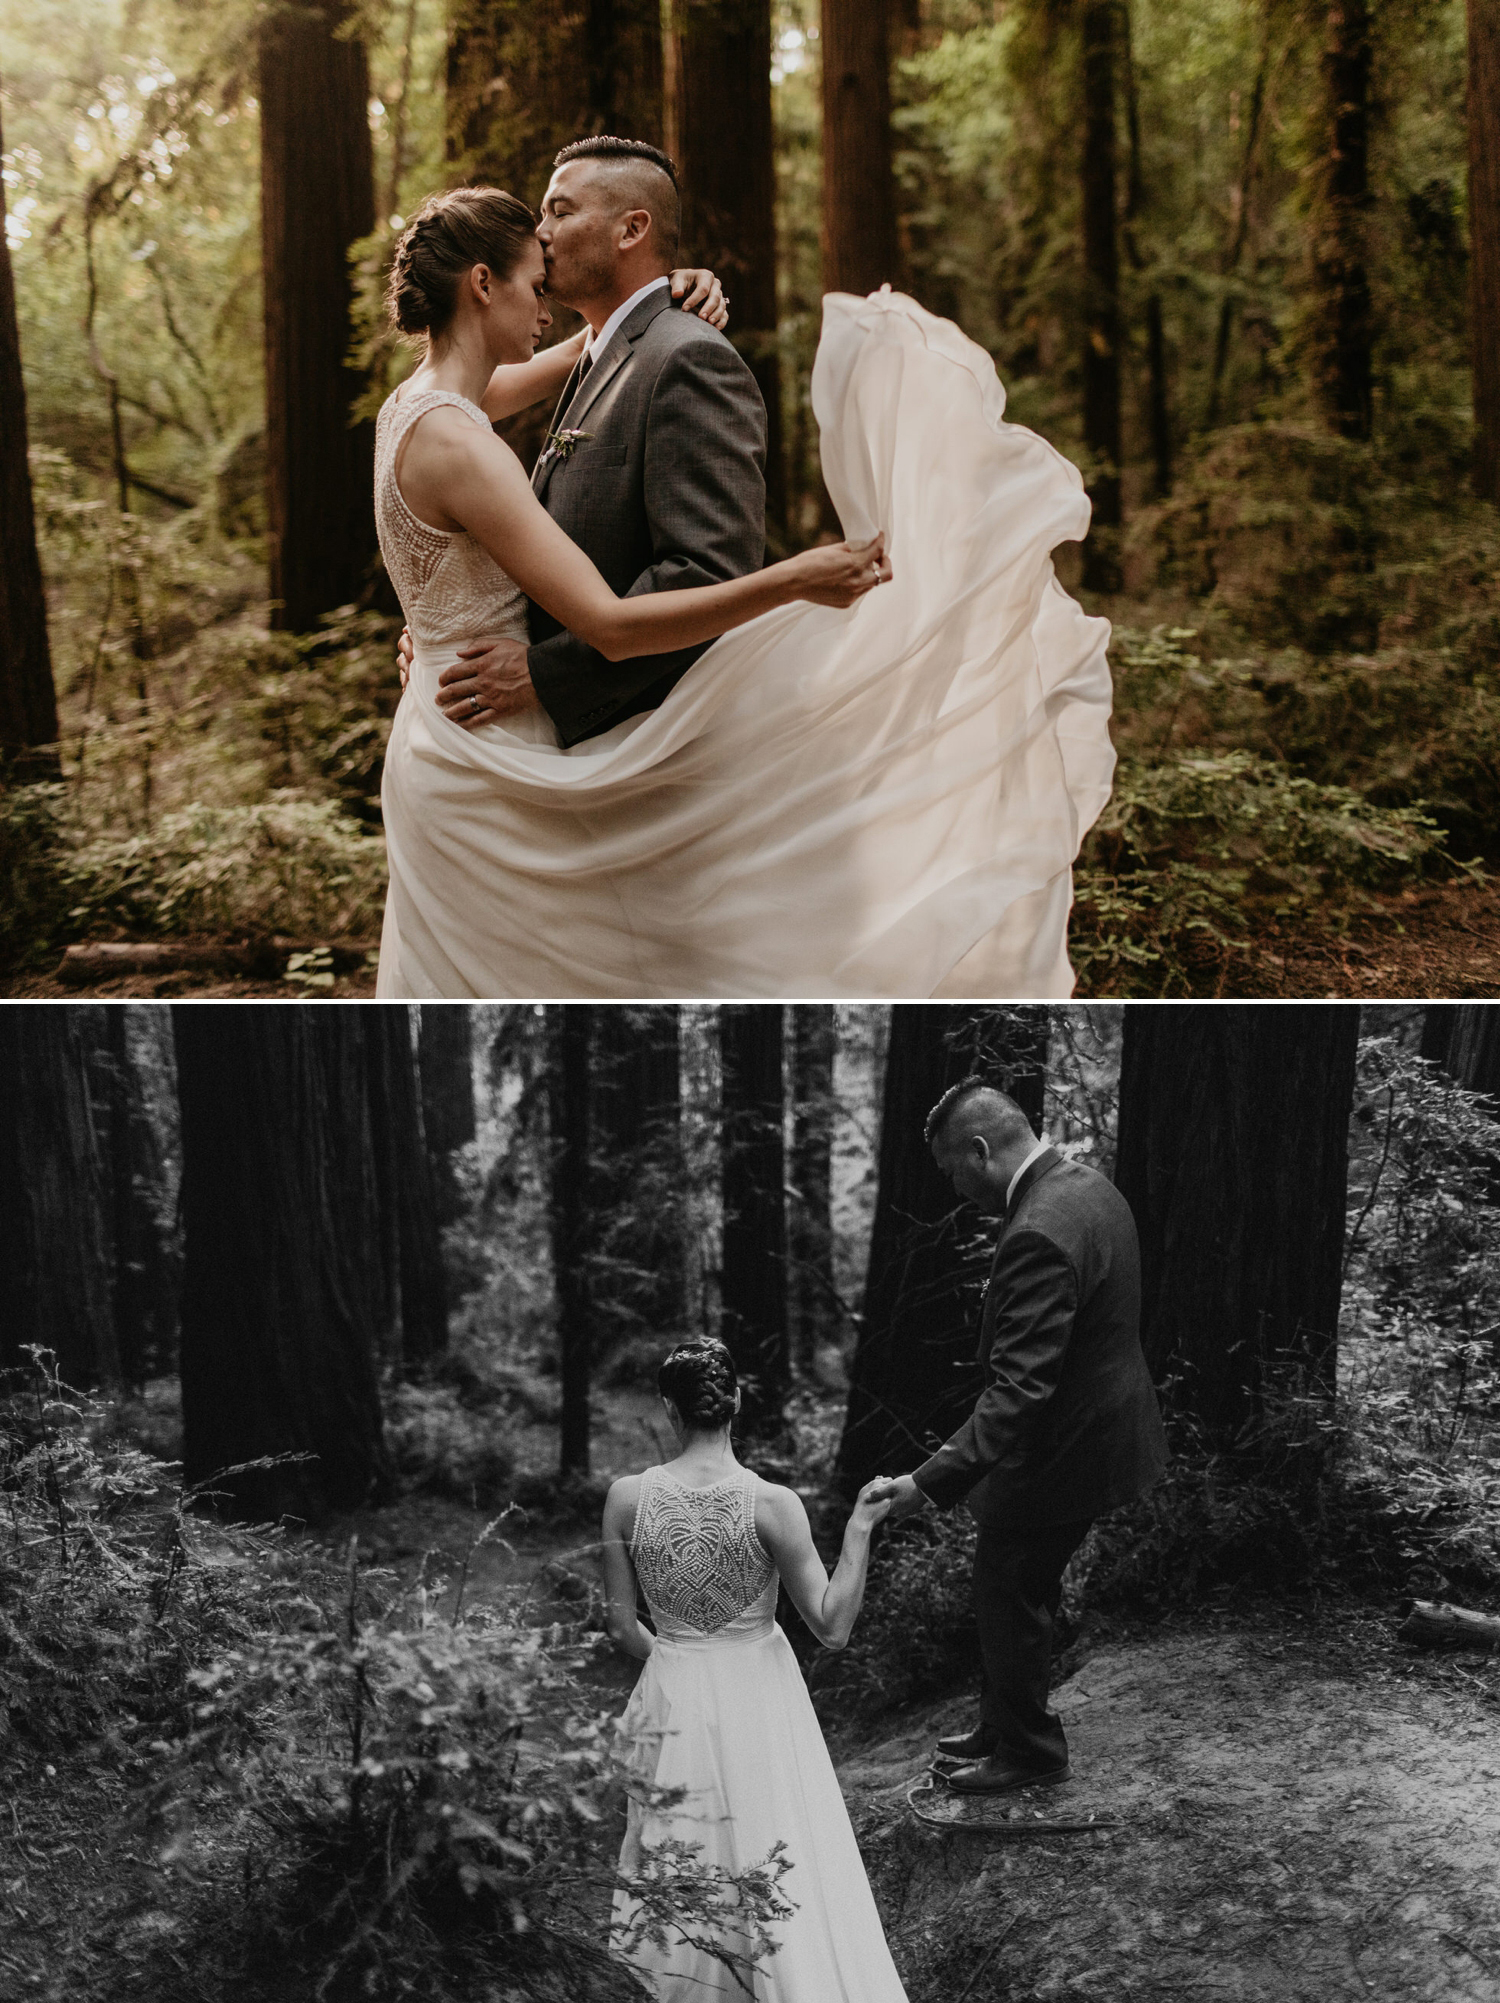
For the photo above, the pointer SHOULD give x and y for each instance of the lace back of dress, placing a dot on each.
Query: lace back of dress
(696, 1553)
(412, 551)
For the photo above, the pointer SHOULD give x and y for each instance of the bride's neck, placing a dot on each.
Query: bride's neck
(707, 1450)
(458, 364)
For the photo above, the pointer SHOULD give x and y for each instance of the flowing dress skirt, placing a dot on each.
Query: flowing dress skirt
(880, 802)
(730, 1721)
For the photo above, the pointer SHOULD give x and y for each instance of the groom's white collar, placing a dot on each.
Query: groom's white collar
(1015, 1181)
(613, 324)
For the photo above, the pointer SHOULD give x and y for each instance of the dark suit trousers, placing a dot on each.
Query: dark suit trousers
(1017, 1587)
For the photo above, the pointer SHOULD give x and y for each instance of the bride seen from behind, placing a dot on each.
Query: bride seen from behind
(721, 1711)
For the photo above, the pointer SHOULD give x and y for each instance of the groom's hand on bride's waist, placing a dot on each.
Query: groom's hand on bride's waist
(489, 680)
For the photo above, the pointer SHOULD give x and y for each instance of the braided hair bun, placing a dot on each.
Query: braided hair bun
(700, 1379)
(444, 240)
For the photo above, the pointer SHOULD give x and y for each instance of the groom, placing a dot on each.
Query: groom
(656, 462)
(1066, 1426)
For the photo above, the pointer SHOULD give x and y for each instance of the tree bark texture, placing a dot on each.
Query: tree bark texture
(417, 1302)
(1344, 330)
(317, 197)
(718, 118)
(145, 1268)
(861, 251)
(1464, 1037)
(753, 1283)
(636, 1259)
(56, 1275)
(1484, 240)
(915, 1375)
(281, 1295)
(1233, 1155)
(523, 80)
(446, 1050)
(570, 1029)
(813, 1302)
(28, 702)
(1102, 432)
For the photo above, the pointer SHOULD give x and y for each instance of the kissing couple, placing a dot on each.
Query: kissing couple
(874, 785)
(1066, 1428)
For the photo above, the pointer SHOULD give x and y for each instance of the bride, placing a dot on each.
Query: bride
(852, 794)
(721, 1712)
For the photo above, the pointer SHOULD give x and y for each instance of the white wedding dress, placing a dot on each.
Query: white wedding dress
(882, 802)
(722, 1713)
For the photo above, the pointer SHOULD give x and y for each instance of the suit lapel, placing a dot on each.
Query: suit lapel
(577, 400)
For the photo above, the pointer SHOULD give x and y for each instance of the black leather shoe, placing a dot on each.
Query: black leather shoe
(994, 1776)
(975, 1745)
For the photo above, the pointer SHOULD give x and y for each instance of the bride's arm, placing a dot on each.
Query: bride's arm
(481, 488)
(829, 1606)
(621, 1614)
(517, 386)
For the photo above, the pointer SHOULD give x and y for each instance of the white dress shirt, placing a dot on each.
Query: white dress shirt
(1010, 1191)
(612, 325)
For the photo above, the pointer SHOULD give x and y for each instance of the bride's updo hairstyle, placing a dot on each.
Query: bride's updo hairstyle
(700, 1379)
(446, 238)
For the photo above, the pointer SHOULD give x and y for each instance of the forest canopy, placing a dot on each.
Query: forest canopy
(1236, 258)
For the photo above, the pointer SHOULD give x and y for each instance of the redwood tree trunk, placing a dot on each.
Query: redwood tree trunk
(718, 117)
(860, 248)
(28, 703)
(1464, 1037)
(570, 1029)
(1101, 264)
(1484, 240)
(914, 1376)
(56, 1276)
(1344, 338)
(317, 197)
(281, 1218)
(408, 1193)
(1233, 1154)
(447, 1070)
(754, 1318)
(813, 1302)
(635, 1238)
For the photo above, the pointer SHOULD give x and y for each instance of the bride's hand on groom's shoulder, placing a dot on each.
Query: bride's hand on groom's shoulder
(839, 573)
(698, 291)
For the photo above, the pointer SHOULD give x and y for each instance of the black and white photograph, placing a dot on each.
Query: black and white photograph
(816, 1504)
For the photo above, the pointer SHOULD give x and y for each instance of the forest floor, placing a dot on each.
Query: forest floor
(1440, 941)
(1304, 1808)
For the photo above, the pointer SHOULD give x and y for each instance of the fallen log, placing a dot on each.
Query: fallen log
(1436, 1624)
(265, 959)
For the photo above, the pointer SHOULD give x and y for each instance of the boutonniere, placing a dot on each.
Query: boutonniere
(563, 444)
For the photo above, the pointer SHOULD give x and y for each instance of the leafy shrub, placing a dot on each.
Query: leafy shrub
(444, 1445)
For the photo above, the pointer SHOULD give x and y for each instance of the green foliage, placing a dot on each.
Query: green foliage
(442, 1444)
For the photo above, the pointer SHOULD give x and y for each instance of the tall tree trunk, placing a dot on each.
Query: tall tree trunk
(28, 702)
(1233, 1154)
(281, 1218)
(56, 1277)
(1239, 212)
(860, 248)
(813, 1301)
(447, 1071)
(1464, 1037)
(1157, 398)
(1484, 241)
(408, 1192)
(317, 197)
(718, 120)
(754, 1321)
(145, 1271)
(524, 80)
(635, 1234)
(1344, 334)
(570, 1035)
(914, 1376)
(1101, 266)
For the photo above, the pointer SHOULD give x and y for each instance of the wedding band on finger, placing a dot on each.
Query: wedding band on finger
(473, 705)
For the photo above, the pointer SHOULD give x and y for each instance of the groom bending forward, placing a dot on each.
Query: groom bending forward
(1066, 1427)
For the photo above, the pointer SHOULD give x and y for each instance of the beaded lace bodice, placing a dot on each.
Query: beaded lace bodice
(699, 1561)
(450, 588)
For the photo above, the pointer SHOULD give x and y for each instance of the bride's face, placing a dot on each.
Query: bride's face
(521, 314)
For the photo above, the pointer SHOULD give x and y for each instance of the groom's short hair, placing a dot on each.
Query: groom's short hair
(646, 177)
(993, 1112)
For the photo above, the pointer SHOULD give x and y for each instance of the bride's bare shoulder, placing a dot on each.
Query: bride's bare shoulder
(778, 1510)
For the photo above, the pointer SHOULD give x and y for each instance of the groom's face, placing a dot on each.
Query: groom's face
(578, 232)
(969, 1165)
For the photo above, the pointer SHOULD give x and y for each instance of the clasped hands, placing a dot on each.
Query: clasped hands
(899, 1490)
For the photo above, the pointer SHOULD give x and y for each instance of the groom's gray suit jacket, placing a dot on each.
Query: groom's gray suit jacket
(667, 490)
(1067, 1425)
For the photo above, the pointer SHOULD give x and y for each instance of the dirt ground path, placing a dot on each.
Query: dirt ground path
(1291, 1825)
